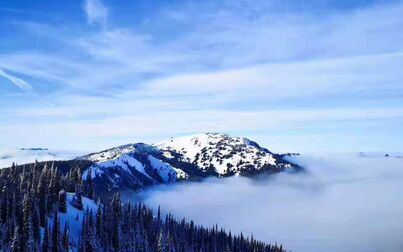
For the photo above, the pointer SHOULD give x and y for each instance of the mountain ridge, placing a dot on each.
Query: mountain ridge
(183, 158)
(187, 158)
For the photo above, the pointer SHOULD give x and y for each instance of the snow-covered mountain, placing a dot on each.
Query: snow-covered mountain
(221, 153)
(184, 158)
(29, 155)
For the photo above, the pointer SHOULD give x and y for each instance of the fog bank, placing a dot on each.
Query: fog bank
(343, 203)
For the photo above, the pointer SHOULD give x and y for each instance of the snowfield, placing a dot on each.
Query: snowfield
(74, 217)
(72, 213)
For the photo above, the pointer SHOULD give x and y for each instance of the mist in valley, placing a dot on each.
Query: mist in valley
(343, 202)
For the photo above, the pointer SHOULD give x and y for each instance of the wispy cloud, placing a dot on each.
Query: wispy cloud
(20, 83)
(96, 12)
(24, 86)
(224, 67)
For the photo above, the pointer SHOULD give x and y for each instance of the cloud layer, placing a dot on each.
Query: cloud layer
(344, 203)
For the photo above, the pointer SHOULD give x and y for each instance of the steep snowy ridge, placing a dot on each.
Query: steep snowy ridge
(182, 158)
(116, 152)
(167, 172)
(139, 162)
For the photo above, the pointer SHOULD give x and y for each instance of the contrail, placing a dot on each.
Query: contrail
(23, 85)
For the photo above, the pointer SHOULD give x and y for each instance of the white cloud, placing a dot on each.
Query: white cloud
(202, 102)
(96, 12)
(148, 125)
(289, 80)
(227, 71)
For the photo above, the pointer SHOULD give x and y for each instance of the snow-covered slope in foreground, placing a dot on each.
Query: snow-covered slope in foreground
(29, 155)
(190, 157)
(74, 216)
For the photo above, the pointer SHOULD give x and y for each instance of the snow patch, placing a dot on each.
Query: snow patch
(125, 162)
(165, 170)
(74, 216)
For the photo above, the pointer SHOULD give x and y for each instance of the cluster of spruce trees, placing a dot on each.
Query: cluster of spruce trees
(33, 196)
(30, 196)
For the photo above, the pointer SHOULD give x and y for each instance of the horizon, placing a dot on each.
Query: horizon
(294, 77)
(393, 153)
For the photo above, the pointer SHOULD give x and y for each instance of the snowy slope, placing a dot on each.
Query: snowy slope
(124, 162)
(167, 172)
(190, 157)
(74, 217)
(29, 155)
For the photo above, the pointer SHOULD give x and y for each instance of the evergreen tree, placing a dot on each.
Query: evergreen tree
(41, 192)
(77, 200)
(16, 245)
(46, 240)
(56, 233)
(116, 209)
(62, 205)
(89, 184)
(162, 242)
(27, 235)
(65, 237)
(116, 235)
(114, 227)
(36, 231)
(98, 223)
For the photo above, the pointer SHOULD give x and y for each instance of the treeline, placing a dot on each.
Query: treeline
(32, 198)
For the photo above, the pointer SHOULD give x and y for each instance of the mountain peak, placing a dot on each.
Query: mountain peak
(200, 138)
(222, 152)
(186, 157)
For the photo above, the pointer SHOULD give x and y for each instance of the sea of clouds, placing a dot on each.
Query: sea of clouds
(344, 202)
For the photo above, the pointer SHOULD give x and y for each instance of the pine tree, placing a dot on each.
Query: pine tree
(62, 205)
(17, 242)
(159, 214)
(41, 192)
(89, 236)
(162, 245)
(36, 231)
(98, 223)
(65, 237)
(27, 223)
(116, 208)
(56, 233)
(77, 200)
(89, 185)
(46, 241)
(116, 235)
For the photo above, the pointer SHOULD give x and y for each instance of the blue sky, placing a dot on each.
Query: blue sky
(293, 75)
